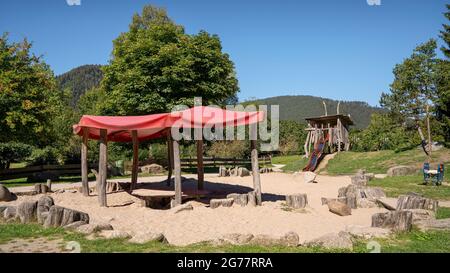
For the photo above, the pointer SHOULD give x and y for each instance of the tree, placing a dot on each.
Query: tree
(156, 65)
(443, 101)
(28, 95)
(13, 152)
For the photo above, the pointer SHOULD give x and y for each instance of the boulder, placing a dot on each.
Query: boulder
(397, 220)
(265, 240)
(74, 225)
(367, 232)
(43, 207)
(10, 212)
(359, 180)
(26, 212)
(297, 201)
(309, 177)
(341, 240)
(416, 202)
(114, 234)
(243, 172)
(239, 199)
(401, 171)
(339, 208)
(365, 203)
(6, 195)
(233, 171)
(325, 200)
(92, 228)
(152, 169)
(419, 215)
(290, 239)
(433, 224)
(237, 239)
(387, 203)
(183, 207)
(215, 203)
(60, 216)
(148, 237)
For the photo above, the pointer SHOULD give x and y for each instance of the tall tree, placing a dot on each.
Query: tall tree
(156, 65)
(443, 102)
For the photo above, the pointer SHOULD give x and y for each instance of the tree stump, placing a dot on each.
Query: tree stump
(60, 216)
(339, 208)
(43, 206)
(296, 201)
(223, 171)
(215, 203)
(239, 199)
(26, 211)
(416, 202)
(41, 188)
(251, 196)
(397, 220)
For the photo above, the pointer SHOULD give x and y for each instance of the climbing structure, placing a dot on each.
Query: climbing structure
(326, 133)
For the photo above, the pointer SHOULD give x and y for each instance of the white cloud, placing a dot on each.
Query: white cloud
(73, 2)
(374, 2)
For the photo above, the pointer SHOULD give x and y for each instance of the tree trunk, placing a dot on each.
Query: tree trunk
(200, 170)
(177, 172)
(102, 168)
(255, 164)
(169, 157)
(84, 163)
(135, 167)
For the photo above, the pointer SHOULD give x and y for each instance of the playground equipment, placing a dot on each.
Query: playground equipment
(326, 133)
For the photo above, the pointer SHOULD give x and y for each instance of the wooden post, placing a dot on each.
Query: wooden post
(306, 147)
(102, 168)
(169, 157)
(339, 134)
(135, 168)
(84, 163)
(177, 172)
(200, 170)
(255, 167)
(429, 134)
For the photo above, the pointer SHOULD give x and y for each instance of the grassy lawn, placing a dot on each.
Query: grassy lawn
(381, 161)
(416, 241)
(294, 163)
(397, 185)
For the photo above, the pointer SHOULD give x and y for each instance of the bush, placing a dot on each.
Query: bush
(13, 152)
(44, 156)
(228, 149)
(289, 146)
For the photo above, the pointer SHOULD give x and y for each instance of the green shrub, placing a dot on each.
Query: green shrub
(44, 156)
(13, 152)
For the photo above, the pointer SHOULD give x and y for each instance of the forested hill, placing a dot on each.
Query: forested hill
(298, 107)
(80, 80)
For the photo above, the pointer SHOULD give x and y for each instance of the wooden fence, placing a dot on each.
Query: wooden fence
(191, 162)
(60, 170)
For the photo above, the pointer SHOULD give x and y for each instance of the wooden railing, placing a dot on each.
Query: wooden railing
(71, 169)
(191, 162)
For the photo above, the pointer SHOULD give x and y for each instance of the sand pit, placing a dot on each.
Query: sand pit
(203, 223)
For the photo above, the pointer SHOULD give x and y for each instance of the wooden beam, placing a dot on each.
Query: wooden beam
(169, 157)
(177, 172)
(255, 167)
(135, 167)
(200, 170)
(102, 168)
(84, 163)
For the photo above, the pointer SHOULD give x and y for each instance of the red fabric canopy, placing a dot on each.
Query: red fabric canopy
(154, 126)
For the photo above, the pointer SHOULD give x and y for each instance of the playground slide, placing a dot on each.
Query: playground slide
(315, 157)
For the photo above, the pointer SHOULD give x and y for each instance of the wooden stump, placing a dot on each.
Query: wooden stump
(26, 211)
(239, 199)
(223, 171)
(416, 202)
(215, 203)
(43, 206)
(60, 216)
(41, 188)
(251, 196)
(297, 201)
(397, 220)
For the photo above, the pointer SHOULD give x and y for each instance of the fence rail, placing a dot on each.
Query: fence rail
(191, 162)
(70, 169)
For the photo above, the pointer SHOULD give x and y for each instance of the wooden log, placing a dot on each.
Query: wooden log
(306, 146)
(177, 172)
(169, 157)
(215, 203)
(239, 199)
(296, 201)
(255, 166)
(200, 170)
(102, 168)
(397, 220)
(416, 202)
(49, 184)
(134, 170)
(84, 163)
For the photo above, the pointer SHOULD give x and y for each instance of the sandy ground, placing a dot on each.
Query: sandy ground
(204, 223)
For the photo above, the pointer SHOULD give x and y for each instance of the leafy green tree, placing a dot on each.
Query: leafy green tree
(156, 65)
(443, 101)
(28, 95)
(13, 152)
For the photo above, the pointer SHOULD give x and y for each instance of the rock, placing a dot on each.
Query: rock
(251, 196)
(59, 191)
(10, 212)
(309, 177)
(243, 172)
(41, 188)
(182, 207)
(215, 203)
(339, 208)
(397, 220)
(239, 199)
(223, 171)
(401, 171)
(361, 196)
(265, 240)
(237, 239)
(416, 202)
(374, 193)
(387, 203)
(333, 240)
(92, 228)
(152, 169)
(420, 215)
(43, 207)
(114, 234)
(60, 216)
(148, 237)
(297, 201)
(359, 180)
(26, 212)
(441, 224)
(6, 195)
(290, 239)
(367, 232)
(325, 200)
(74, 225)
(233, 171)
(365, 203)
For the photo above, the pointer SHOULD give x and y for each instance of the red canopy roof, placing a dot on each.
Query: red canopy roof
(154, 126)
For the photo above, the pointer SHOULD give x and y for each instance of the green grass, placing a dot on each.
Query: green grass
(443, 213)
(415, 241)
(20, 182)
(397, 185)
(381, 161)
(294, 163)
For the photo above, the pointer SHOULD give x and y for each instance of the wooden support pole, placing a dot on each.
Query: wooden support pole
(306, 147)
(169, 158)
(255, 167)
(429, 133)
(84, 163)
(200, 170)
(135, 167)
(102, 168)
(177, 172)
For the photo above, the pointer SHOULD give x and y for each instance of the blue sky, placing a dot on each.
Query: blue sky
(341, 49)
